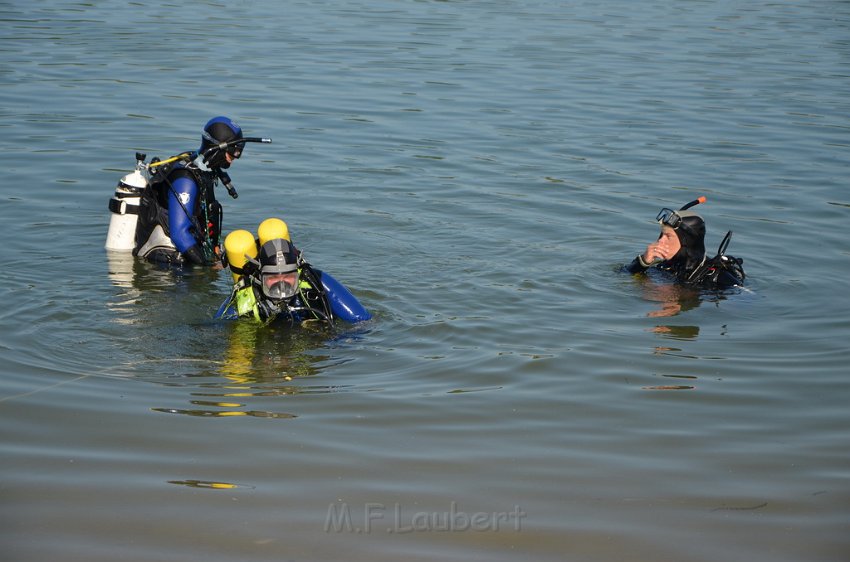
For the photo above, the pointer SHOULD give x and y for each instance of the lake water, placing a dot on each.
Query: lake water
(476, 172)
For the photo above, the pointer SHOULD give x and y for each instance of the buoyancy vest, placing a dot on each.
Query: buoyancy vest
(203, 215)
(717, 273)
(310, 303)
(720, 272)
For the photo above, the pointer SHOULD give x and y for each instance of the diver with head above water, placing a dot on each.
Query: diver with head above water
(166, 210)
(680, 251)
(272, 281)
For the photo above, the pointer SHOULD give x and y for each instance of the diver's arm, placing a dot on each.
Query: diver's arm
(181, 203)
(638, 265)
(195, 256)
(658, 251)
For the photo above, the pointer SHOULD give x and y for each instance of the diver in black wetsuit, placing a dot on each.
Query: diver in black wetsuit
(680, 251)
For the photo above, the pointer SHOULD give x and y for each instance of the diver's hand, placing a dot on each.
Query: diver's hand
(195, 256)
(660, 250)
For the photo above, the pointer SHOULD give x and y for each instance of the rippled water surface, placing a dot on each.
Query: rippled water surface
(476, 173)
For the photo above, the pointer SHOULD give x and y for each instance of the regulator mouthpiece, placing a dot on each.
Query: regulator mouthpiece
(225, 179)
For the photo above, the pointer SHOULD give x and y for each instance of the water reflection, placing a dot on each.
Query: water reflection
(225, 413)
(121, 268)
(138, 277)
(229, 366)
(672, 298)
(257, 362)
(257, 355)
(673, 386)
(208, 484)
(676, 332)
(152, 289)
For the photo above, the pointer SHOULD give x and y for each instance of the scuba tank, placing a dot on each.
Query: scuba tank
(239, 247)
(124, 207)
(272, 228)
(125, 204)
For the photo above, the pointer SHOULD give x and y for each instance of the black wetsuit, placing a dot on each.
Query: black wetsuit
(717, 273)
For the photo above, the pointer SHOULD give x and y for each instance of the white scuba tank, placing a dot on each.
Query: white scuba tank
(124, 207)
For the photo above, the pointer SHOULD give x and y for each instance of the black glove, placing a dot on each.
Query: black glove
(195, 256)
(638, 265)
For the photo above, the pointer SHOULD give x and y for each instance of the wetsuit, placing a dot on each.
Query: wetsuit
(717, 273)
(180, 218)
(311, 302)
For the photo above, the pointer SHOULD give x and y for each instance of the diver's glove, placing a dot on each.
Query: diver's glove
(195, 256)
(638, 265)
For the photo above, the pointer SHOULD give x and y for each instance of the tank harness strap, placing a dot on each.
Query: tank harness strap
(121, 207)
(161, 176)
(315, 283)
(248, 271)
(699, 271)
(205, 242)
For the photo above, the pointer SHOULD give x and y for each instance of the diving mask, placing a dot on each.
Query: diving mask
(676, 221)
(669, 217)
(235, 150)
(673, 219)
(279, 285)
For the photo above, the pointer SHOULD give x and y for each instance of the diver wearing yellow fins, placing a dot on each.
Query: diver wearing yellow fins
(272, 280)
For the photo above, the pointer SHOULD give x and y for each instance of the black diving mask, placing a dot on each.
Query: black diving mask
(673, 219)
(235, 150)
(669, 217)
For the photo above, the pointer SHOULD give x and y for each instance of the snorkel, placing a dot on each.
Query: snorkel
(686, 206)
(206, 155)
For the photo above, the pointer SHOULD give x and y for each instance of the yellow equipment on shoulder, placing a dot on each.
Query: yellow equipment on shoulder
(240, 247)
(271, 229)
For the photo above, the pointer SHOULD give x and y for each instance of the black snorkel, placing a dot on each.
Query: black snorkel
(222, 175)
(721, 250)
(694, 203)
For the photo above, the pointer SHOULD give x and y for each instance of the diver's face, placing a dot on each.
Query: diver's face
(668, 242)
(280, 286)
(288, 278)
